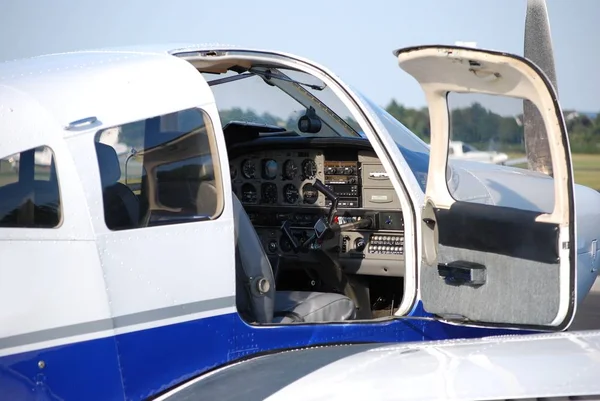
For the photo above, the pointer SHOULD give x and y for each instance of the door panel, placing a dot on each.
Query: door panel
(479, 234)
(493, 253)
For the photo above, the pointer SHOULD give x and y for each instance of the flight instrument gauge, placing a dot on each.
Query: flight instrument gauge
(309, 169)
(269, 193)
(269, 169)
(309, 194)
(289, 169)
(248, 168)
(290, 193)
(248, 193)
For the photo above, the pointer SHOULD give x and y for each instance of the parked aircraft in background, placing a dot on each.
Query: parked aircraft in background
(464, 151)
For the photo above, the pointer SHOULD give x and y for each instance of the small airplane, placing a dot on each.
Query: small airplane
(464, 151)
(215, 235)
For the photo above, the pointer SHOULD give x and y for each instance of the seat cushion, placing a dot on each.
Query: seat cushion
(303, 306)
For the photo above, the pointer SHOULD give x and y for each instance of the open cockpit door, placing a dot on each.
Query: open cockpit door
(495, 262)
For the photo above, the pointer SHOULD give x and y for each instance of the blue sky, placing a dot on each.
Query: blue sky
(353, 38)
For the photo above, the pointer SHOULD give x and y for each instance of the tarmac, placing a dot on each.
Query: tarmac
(587, 316)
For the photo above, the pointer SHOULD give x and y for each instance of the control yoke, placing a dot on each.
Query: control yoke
(324, 228)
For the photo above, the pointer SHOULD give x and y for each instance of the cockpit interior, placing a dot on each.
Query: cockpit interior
(325, 214)
(290, 188)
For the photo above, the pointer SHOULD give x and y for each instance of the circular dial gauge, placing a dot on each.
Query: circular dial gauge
(309, 194)
(248, 168)
(232, 171)
(269, 169)
(289, 170)
(248, 193)
(290, 193)
(269, 193)
(309, 168)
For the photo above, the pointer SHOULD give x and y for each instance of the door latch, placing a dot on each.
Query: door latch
(463, 273)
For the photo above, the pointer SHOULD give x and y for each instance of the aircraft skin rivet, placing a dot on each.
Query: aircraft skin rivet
(41, 364)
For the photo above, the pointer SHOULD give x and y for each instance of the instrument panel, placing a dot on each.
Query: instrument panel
(284, 178)
(278, 178)
(275, 185)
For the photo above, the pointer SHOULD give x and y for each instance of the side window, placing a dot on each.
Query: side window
(163, 170)
(492, 131)
(29, 194)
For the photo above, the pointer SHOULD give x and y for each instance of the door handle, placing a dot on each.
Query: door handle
(463, 273)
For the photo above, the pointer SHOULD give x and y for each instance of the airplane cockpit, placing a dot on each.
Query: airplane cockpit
(299, 164)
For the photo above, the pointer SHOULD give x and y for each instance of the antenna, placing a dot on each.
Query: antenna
(538, 49)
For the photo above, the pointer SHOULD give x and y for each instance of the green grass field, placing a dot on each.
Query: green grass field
(585, 166)
(587, 170)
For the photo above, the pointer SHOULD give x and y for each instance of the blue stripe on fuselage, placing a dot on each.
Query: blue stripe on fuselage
(150, 361)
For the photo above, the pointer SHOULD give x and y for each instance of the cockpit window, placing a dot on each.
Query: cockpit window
(29, 192)
(280, 97)
(414, 150)
(258, 96)
(162, 170)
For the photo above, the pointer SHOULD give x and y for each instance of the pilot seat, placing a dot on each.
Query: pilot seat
(259, 302)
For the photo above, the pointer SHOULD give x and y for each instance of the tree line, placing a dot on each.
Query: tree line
(474, 124)
(481, 127)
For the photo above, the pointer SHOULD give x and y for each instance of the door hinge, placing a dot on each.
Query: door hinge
(594, 254)
(453, 317)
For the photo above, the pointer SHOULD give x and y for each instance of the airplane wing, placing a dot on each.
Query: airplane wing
(497, 368)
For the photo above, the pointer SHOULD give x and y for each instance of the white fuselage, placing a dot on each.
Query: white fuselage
(136, 299)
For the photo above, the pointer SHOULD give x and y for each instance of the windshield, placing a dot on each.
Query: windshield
(414, 150)
(280, 97)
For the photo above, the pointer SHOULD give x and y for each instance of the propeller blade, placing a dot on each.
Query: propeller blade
(538, 48)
